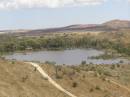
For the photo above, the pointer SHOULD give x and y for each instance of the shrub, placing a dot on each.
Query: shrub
(103, 78)
(121, 61)
(13, 62)
(91, 90)
(97, 88)
(92, 68)
(58, 77)
(24, 78)
(74, 84)
(113, 67)
(84, 76)
(83, 62)
(50, 63)
(118, 65)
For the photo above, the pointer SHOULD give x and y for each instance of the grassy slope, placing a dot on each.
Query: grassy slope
(89, 83)
(20, 80)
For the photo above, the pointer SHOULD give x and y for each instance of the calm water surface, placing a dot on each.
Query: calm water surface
(69, 57)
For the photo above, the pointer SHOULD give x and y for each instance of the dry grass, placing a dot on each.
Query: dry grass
(89, 84)
(18, 79)
(21, 80)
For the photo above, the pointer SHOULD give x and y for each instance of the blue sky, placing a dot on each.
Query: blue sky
(35, 17)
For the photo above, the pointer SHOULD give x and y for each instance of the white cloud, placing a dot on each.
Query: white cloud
(9, 4)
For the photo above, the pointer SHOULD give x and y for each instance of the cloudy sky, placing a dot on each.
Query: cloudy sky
(32, 14)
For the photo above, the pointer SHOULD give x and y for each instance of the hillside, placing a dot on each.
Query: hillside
(117, 24)
(91, 80)
(18, 79)
(113, 25)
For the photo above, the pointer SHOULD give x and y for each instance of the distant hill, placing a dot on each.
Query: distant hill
(117, 24)
(112, 25)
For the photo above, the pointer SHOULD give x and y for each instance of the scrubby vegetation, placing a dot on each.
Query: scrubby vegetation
(23, 80)
(92, 80)
(118, 41)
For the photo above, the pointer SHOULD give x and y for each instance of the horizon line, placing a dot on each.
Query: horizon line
(62, 26)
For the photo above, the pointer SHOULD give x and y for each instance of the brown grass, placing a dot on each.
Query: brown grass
(18, 79)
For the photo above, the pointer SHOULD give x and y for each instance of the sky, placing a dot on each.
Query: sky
(39, 14)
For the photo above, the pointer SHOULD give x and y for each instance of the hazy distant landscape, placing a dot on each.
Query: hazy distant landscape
(113, 25)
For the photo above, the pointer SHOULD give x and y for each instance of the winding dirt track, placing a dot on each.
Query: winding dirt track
(46, 76)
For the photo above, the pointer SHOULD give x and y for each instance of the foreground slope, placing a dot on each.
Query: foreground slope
(18, 79)
(92, 80)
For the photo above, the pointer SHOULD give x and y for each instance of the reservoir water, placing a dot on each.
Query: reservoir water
(68, 57)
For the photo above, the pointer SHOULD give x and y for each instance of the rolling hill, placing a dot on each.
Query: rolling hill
(113, 25)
